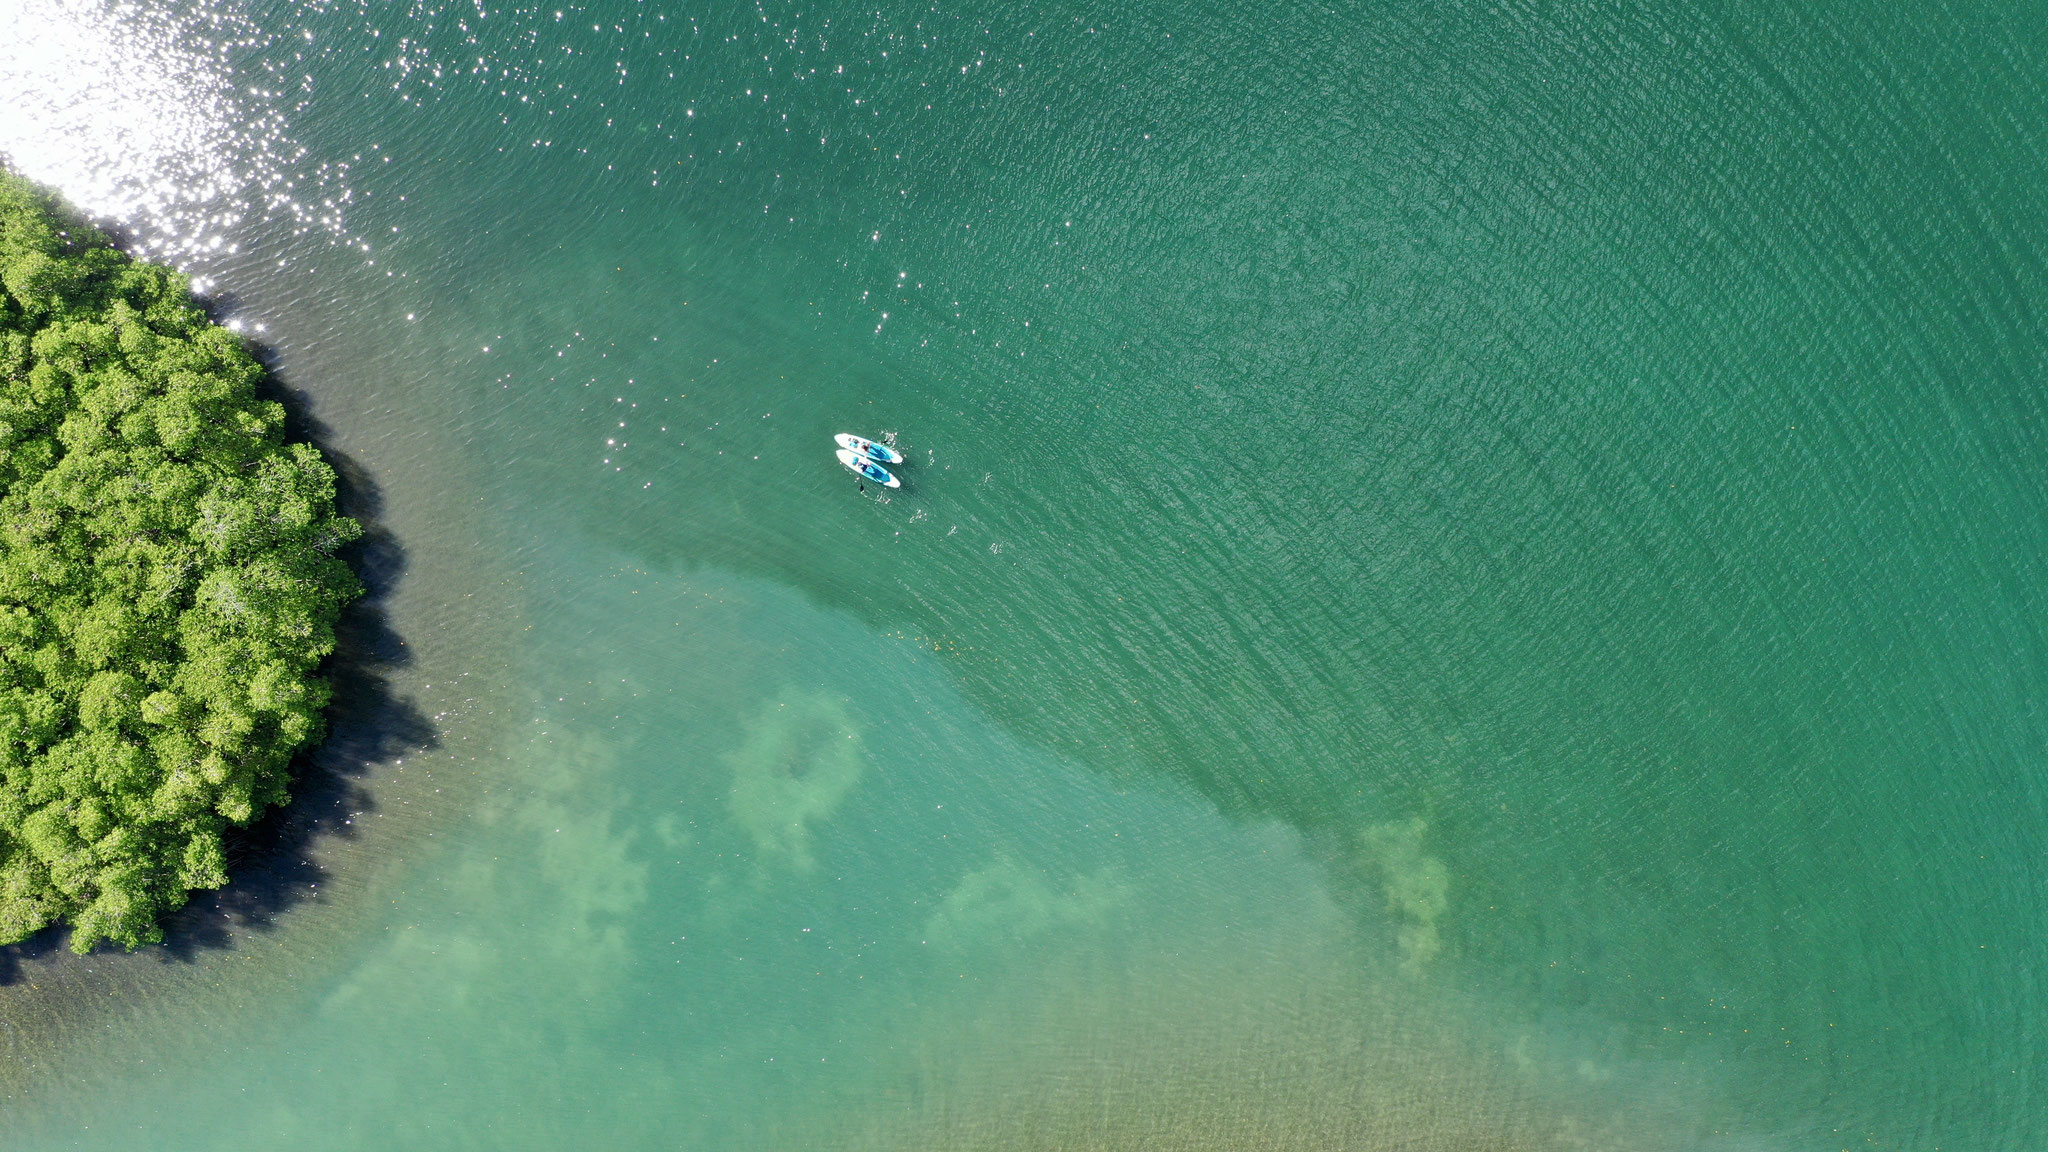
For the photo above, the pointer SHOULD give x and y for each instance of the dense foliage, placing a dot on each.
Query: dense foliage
(168, 585)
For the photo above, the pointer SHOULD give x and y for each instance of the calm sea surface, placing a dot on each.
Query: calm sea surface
(1470, 576)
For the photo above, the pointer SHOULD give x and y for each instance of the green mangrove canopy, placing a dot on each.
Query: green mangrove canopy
(168, 585)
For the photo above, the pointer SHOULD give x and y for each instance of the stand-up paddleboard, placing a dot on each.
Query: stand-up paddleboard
(880, 453)
(868, 468)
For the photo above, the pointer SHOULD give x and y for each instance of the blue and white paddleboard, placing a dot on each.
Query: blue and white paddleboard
(880, 453)
(868, 468)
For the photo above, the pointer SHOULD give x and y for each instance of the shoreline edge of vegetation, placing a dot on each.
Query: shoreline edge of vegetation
(169, 585)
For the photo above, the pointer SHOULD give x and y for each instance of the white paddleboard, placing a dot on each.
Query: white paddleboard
(856, 462)
(881, 453)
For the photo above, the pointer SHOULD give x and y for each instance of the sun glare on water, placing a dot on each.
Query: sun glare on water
(169, 120)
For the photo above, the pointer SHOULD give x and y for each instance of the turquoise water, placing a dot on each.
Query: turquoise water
(1468, 578)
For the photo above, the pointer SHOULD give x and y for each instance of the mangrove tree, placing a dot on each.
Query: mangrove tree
(168, 584)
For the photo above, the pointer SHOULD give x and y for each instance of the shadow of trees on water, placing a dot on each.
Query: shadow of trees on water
(271, 867)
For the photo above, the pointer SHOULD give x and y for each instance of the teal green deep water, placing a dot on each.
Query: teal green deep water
(1469, 577)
